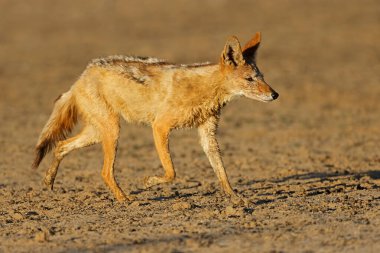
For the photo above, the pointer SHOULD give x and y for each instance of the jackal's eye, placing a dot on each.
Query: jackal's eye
(249, 79)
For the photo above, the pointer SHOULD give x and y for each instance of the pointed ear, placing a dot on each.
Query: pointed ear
(250, 49)
(232, 54)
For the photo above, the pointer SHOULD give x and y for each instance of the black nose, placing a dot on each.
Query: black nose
(275, 95)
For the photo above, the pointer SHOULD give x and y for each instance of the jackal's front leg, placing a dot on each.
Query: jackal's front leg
(207, 133)
(161, 139)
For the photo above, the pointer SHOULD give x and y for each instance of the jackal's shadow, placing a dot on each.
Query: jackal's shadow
(307, 185)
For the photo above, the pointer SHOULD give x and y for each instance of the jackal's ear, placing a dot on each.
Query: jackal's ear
(250, 49)
(232, 54)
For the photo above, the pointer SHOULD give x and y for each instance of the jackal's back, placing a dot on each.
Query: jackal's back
(134, 87)
(144, 89)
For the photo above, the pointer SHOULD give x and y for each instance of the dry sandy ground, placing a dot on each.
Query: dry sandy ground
(309, 163)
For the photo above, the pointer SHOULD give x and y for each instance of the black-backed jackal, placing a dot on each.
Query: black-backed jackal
(151, 91)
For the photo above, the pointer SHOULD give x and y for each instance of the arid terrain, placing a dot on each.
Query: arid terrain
(308, 164)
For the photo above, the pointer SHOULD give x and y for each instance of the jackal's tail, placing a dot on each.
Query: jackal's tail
(60, 123)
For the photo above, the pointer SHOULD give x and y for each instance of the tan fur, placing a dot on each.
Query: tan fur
(252, 43)
(60, 123)
(160, 94)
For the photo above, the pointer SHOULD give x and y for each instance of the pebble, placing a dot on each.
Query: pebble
(17, 216)
(181, 206)
(135, 204)
(31, 213)
(230, 210)
(40, 236)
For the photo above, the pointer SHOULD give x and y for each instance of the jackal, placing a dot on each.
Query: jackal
(163, 95)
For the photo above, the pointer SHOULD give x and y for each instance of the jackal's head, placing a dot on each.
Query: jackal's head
(242, 75)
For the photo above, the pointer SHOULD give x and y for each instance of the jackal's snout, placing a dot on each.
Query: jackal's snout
(266, 97)
(262, 92)
(275, 95)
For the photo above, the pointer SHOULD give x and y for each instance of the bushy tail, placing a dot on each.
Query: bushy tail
(60, 123)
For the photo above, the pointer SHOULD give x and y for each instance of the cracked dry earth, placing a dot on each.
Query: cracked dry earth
(308, 164)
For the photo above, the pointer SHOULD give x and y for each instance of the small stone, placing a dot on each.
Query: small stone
(176, 231)
(181, 206)
(40, 236)
(17, 216)
(31, 213)
(134, 204)
(361, 187)
(250, 224)
(332, 206)
(230, 211)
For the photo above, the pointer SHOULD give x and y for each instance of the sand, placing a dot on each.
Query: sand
(308, 164)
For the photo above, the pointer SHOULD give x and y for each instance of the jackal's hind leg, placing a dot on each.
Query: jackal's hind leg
(110, 134)
(161, 139)
(87, 137)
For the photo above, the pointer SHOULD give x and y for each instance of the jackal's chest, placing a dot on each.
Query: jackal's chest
(194, 115)
(191, 105)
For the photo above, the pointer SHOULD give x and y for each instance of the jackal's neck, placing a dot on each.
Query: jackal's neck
(216, 81)
(209, 82)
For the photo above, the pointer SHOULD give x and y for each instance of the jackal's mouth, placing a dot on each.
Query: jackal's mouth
(262, 97)
(266, 98)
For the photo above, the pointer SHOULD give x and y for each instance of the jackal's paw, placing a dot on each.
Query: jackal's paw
(151, 181)
(122, 197)
(238, 200)
(49, 183)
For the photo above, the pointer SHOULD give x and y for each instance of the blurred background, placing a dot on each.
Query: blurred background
(323, 57)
